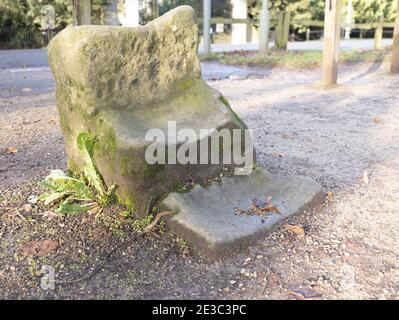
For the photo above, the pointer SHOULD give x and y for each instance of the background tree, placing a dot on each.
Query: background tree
(367, 11)
(220, 8)
(26, 13)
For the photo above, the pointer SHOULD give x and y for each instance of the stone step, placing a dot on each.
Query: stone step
(211, 221)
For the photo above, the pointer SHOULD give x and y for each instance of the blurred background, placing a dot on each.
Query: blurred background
(32, 23)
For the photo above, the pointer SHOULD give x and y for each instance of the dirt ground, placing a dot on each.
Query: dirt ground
(346, 138)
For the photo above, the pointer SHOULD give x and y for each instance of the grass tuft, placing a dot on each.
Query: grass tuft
(293, 59)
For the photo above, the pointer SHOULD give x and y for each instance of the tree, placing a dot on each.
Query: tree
(220, 8)
(367, 11)
(26, 13)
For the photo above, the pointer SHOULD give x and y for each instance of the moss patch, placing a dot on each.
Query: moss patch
(151, 170)
(106, 143)
(237, 118)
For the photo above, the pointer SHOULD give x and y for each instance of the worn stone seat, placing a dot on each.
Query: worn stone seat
(117, 83)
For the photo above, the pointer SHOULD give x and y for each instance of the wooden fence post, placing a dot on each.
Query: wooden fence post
(332, 30)
(155, 9)
(307, 34)
(249, 30)
(207, 27)
(286, 30)
(378, 33)
(81, 12)
(282, 30)
(279, 30)
(395, 46)
(264, 28)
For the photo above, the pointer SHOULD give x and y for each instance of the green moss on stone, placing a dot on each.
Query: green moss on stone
(151, 170)
(185, 84)
(237, 118)
(72, 166)
(124, 165)
(106, 143)
(127, 200)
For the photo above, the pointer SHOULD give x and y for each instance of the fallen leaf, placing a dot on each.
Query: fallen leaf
(366, 177)
(285, 136)
(27, 207)
(259, 208)
(39, 248)
(376, 120)
(299, 296)
(273, 280)
(48, 215)
(100, 234)
(330, 196)
(11, 150)
(295, 229)
(12, 213)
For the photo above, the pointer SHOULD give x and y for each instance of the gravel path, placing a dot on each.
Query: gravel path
(346, 138)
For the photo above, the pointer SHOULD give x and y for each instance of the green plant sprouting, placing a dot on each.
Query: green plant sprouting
(81, 193)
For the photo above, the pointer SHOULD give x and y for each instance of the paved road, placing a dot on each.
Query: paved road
(36, 80)
(345, 45)
(25, 72)
(38, 57)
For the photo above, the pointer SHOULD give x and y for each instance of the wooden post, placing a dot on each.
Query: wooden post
(207, 27)
(249, 30)
(332, 30)
(282, 30)
(279, 30)
(286, 29)
(155, 9)
(395, 46)
(307, 34)
(264, 28)
(378, 33)
(81, 12)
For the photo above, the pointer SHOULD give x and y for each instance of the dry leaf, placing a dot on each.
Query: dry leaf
(11, 150)
(259, 208)
(270, 206)
(27, 207)
(100, 233)
(376, 120)
(299, 296)
(39, 248)
(12, 213)
(366, 177)
(48, 215)
(295, 229)
(330, 196)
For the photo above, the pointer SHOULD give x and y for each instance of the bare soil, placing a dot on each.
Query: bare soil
(346, 138)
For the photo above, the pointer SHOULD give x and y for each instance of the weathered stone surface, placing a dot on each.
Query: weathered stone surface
(206, 216)
(116, 83)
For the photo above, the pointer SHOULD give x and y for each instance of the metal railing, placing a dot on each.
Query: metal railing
(25, 38)
(309, 27)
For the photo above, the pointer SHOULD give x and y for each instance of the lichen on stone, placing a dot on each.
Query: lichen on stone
(117, 83)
